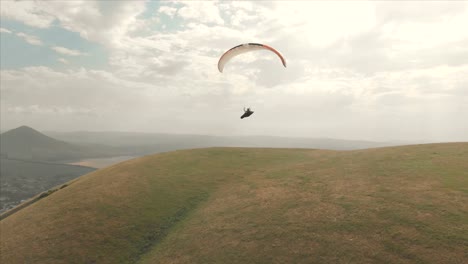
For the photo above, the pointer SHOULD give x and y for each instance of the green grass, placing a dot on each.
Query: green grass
(239, 205)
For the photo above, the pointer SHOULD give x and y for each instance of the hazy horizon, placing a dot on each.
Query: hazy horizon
(53, 133)
(374, 70)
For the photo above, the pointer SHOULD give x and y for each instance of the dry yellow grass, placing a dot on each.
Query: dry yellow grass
(236, 205)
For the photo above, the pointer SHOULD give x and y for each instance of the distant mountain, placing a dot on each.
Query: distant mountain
(27, 166)
(25, 143)
(134, 143)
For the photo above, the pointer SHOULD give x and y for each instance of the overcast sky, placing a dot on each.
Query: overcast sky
(356, 70)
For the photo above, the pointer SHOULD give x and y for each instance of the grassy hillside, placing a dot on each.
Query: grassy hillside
(235, 205)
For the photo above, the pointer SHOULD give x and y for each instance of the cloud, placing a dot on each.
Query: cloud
(4, 30)
(414, 35)
(50, 109)
(200, 11)
(99, 21)
(69, 52)
(167, 10)
(417, 11)
(315, 24)
(30, 13)
(62, 60)
(33, 40)
(71, 93)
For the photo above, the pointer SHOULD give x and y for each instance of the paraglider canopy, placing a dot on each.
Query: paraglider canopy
(243, 48)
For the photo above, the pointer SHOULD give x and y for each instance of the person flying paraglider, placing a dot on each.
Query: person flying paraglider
(241, 49)
(247, 113)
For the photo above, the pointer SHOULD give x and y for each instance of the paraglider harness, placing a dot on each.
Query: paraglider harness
(247, 113)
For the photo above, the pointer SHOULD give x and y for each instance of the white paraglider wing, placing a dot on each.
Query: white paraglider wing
(243, 48)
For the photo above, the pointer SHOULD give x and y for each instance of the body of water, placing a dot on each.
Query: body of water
(102, 162)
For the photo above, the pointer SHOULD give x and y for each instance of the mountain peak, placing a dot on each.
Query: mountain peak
(23, 131)
(24, 128)
(27, 143)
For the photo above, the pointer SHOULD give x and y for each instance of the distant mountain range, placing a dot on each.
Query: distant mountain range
(25, 143)
(134, 143)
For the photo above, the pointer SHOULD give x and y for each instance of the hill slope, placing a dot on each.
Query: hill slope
(391, 205)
